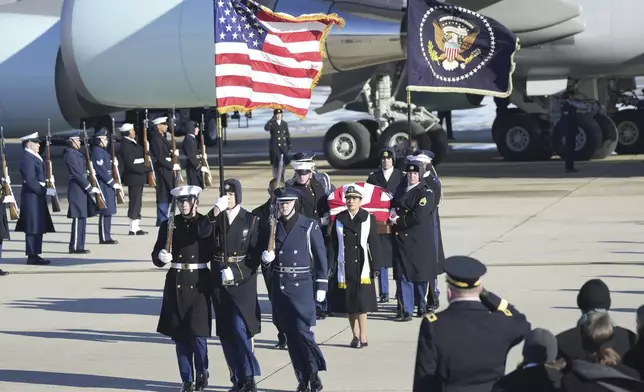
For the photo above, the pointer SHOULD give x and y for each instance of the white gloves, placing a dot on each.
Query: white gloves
(222, 203)
(324, 221)
(176, 152)
(7, 180)
(116, 162)
(9, 199)
(320, 295)
(164, 256)
(117, 186)
(204, 169)
(226, 274)
(176, 167)
(268, 257)
(51, 192)
(94, 190)
(52, 179)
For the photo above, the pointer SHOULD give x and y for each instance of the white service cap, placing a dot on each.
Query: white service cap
(31, 136)
(188, 190)
(160, 120)
(127, 127)
(303, 165)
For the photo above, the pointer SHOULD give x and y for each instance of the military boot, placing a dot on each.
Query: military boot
(316, 383)
(202, 381)
(188, 387)
(249, 385)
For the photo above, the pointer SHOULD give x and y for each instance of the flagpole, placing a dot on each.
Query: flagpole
(222, 192)
(409, 114)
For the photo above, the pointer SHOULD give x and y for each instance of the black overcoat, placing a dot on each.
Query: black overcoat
(161, 153)
(190, 149)
(241, 241)
(186, 310)
(82, 204)
(5, 233)
(355, 295)
(280, 141)
(434, 183)
(134, 171)
(34, 212)
(415, 252)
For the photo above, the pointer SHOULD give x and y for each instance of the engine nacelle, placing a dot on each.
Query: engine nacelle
(137, 53)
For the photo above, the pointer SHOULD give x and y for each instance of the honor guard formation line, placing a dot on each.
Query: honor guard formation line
(322, 250)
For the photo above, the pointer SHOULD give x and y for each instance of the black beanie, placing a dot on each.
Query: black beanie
(540, 347)
(594, 294)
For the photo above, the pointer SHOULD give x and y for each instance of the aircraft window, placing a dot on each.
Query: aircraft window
(267, 3)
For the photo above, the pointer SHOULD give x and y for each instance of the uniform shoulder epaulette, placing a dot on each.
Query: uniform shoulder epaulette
(431, 317)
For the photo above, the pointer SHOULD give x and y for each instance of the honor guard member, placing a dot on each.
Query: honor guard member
(411, 148)
(102, 160)
(134, 176)
(312, 204)
(280, 143)
(434, 183)
(34, 219)
(5, 234)
(80, 194)
(190, 148)
(263, 212)
(161, 152)
(411, 217)
(389, 178)
(299, 268)
(323, 178)
(237, 311)
(186, 315)
(464, 347)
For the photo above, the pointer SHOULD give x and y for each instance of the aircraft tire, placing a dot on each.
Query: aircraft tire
(373, 127)
(588, 131)
(440, 144)
(609, 136)
(398, 130)
(518, 137)
(630, 131)
(347, 144)
(496, 119)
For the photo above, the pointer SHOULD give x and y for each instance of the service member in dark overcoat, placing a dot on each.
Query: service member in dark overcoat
(323, 178)
(263, 212)
(237, 311)
(410, 149)
(34, 219)
(80, 194)
(312, 204)
(299, 267)
(280, 141)
(416, 264)
(161, 153)
(355, 259)
(190, 149)
(5, 234)
(186, 314)
(102, 160)
(464, 347)
(134, 176)
(389, 178)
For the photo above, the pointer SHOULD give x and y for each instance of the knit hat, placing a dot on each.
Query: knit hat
(594, 294)
(540, 347)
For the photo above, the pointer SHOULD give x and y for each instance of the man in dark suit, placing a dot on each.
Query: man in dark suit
(134, 176)
(280, 143)
(35, 219)
(161, 153)
(190, 149)
(464, 347)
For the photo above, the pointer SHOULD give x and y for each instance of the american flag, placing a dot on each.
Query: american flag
(265, 59)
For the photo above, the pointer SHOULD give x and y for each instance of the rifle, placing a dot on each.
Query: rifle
(100, 200)
(120, 195)
(207, 176)
(274, 210)
(152, 179)
(170, 233)
(175, 159)
(14, 213)
(49, 173)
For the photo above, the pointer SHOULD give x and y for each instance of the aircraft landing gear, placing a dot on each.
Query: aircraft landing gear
(630, 131)
(520, 136)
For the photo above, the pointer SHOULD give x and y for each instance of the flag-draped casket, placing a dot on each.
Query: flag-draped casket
(376, 200)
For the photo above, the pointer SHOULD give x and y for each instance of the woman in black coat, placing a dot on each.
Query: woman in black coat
(354, 261)
(4, 222)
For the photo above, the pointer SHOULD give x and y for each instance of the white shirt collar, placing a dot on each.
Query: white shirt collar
(465, 299)
(410, 187)
(387, 173)
(529, 365)
(193, 135)
(33, 153)
(353, 215)
(129, 138)
(232, 213)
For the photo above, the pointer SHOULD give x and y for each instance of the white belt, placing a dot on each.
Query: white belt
(168, 159)
(188, 266)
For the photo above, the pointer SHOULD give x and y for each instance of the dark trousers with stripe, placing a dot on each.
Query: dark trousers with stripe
(79, 232)
(306, 356)
(239, 353)
(411, 290)
(33, 244)
(162, 213)
(104, 228)
(383, 282)
(192, 355)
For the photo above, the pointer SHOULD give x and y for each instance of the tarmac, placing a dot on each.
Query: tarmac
(88, 322)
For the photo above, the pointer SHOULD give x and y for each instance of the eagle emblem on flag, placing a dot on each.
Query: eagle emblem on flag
(453, 37)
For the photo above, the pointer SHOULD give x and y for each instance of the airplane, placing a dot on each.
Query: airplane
(79, 60)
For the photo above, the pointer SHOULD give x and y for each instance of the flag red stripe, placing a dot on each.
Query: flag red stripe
(315, 57)
(251, 105)
(299, 36)
(263, 66)
(259, 87)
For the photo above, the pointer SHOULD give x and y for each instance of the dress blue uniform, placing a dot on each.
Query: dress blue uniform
(161, 152)
(280, 142)
(35, 219)
(102, 161)
(79, 196)
(299, 269)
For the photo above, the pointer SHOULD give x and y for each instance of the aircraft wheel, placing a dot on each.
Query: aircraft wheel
(347, 144)
(440, 144)
(630, 131)
(373, 127)
(396, 136)
(587, 141)
(518, 137)
(609, 136)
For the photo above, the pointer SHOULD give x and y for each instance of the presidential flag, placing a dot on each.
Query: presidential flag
(265, 59)
(453, 49)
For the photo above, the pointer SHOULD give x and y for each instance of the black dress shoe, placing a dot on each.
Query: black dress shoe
(3, 273)
(202, 381)
(384, 298)
(249, 385)
(355, 343)
(188, 387)
(140, 232)
(79, 251)
(421, 312)
(364, 344)
(406, 317)
(316, 383)
(320, 315)
(36, 260)
(109, 242)
(280, 346)
(303, 387)
(437, 303)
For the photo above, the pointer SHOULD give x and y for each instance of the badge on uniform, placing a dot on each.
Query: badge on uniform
(422, 202)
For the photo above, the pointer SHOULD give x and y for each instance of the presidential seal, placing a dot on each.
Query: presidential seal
(454, 36)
